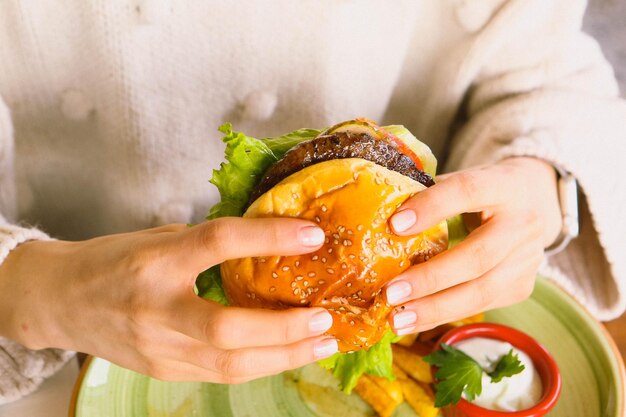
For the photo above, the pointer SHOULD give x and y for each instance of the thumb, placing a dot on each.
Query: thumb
(217, 240)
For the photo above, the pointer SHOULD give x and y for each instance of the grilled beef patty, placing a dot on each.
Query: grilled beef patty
(340, 145)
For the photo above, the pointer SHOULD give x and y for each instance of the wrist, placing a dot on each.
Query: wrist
(541, 179)
(27, 298)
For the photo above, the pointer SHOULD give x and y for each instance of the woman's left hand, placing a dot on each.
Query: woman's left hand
(517, 203)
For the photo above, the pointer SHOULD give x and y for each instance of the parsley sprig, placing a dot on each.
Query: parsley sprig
(458, 373)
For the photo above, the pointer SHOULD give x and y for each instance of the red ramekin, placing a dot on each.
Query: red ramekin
(542, 360)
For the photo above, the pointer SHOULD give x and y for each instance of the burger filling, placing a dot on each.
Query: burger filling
(340, 145)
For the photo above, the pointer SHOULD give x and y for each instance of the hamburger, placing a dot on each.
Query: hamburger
(349, 179)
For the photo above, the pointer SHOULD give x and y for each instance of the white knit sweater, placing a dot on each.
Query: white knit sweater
(109, 109)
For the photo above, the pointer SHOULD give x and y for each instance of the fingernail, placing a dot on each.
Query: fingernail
(406, 330)
(320, 322)
(403, 220)
(404, 319)
(325, 348)
(311, 236)
(397, 291)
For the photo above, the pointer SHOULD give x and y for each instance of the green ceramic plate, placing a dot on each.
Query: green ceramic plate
(592, 375)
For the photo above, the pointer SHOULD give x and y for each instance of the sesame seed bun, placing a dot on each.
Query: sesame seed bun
(351, 200)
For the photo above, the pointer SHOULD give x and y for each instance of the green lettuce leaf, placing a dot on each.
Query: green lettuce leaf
(247, 158)
(376, 361)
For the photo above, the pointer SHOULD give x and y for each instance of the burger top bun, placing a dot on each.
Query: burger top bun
(351, 200)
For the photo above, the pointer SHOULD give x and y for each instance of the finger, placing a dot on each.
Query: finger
(510, 282)
(199, 362)
(483, 249)
(215, 241)
(462, 192)
(235, 327)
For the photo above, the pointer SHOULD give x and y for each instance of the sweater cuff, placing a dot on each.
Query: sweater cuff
(22, 370)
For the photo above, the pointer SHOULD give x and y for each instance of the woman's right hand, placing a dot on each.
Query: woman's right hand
(129, 298)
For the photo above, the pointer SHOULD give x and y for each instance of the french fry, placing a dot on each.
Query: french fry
(412, 364)
(383, 395)
(418, 396)
(407, 340)
(476, 318)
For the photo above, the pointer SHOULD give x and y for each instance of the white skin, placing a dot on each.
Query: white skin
(129, 298)
(518, 213)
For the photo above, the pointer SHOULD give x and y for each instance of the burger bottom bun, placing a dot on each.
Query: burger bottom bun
(351, 200)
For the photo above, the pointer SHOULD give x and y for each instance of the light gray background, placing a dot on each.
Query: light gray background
(606, 21)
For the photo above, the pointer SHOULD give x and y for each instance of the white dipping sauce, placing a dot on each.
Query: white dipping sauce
(514, 393)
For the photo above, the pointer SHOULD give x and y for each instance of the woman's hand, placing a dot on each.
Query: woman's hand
(519, 214)
(129, 298)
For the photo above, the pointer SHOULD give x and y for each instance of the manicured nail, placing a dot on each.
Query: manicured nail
(311, 236)
(397, 291)
(325, 348)
(404, 319)
(320, 322)
(406, 330)
(403, 220)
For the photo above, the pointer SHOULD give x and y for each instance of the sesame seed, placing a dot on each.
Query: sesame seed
(402, 263)
(361, 330)
(373, 293)
(378, 181)
(315, 258)
(299, 278)
(321, 282)
(335, 235)
(391, 242)
(359, 227)
(330, 270)
(316, 289)
(373, 273)
(345, 242)
(302, 301)
(327, 240)
(293, 284)
(336, 241)
(311, 274)
(341, 229)
(236, 276)
(262, 260)
(362, 258)
(359, 292)
(296, 291)
(274, 275)
(272, 289)
(351, 322)
(367, 280)
(352, 256)
(286, 268)
(323, 260)
(350, 231)
(355, 176)
(324, 208)
(317, 219)
(343, 265)
(349, 284)
(306, 283)
(330, 250)
(297, 263)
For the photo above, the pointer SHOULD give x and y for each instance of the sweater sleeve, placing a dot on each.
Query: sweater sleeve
(541, 87)
(21, 370)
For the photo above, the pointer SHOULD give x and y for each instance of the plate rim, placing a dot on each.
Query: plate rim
(78, 384)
